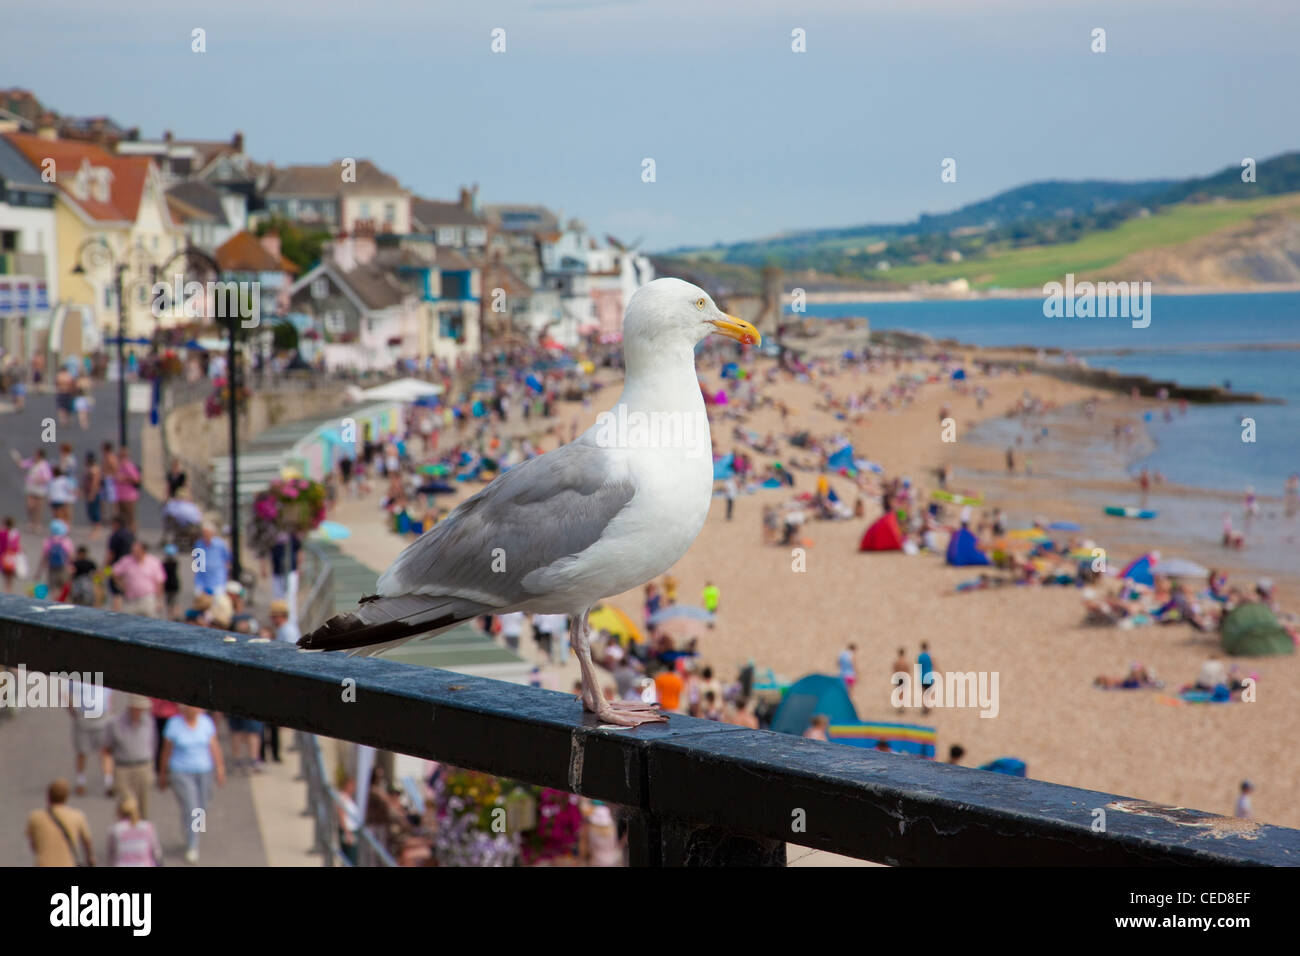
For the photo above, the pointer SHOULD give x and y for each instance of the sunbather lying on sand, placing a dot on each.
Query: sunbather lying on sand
(1137, 678)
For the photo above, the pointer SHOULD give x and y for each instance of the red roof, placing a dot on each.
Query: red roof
(242, 252)
(126, 180)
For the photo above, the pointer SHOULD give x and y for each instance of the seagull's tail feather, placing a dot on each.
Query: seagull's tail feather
(379, 623)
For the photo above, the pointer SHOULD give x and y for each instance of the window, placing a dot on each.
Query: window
(365, 210)
(334, 323)
(447, 236)
(452, 325)
(390, 212)
(320, 288)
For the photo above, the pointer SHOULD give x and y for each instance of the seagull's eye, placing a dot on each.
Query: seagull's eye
(699, 304)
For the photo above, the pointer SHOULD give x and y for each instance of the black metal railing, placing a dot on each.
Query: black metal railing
(697, 792)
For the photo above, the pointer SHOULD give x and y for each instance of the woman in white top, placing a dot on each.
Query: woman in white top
(36, 485)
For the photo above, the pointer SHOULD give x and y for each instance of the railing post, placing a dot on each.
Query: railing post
(663, 841)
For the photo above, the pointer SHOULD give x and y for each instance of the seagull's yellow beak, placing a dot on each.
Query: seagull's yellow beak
(738, 329)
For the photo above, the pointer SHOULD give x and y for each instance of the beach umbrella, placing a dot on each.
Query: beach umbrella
(1140, 569)
(1182, 568)
(1029, 534)
(1065, 526)
(606, 617)
(681, 612)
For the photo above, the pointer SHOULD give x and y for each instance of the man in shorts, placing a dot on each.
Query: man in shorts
(89, 705)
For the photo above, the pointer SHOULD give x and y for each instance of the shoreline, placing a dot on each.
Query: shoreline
(937, 295)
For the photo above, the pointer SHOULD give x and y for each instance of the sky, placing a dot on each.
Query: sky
(748, 137)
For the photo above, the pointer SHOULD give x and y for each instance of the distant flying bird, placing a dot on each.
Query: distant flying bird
(559, 533)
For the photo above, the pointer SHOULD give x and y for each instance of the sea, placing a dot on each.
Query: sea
(1249, 342)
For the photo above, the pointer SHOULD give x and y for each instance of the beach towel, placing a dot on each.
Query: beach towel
(911, 739)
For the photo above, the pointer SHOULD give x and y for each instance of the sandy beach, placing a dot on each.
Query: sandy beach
(1146, 744)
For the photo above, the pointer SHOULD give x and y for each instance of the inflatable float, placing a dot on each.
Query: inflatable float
(1118, 512)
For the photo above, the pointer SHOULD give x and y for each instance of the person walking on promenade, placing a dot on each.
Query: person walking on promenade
(140, 577)
(191, 763)
(131, 840)
(37, 475)
(130, 741)
(58, 833)
(126, 482)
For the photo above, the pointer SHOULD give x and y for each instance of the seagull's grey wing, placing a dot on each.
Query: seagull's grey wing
(478, 559)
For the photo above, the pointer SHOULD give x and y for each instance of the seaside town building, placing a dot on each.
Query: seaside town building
(402, 280)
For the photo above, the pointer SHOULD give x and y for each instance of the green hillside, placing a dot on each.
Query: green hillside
(1023, 268)
(1018, 235)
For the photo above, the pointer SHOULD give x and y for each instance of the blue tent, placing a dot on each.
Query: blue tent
(724, 468)
(842, 458)
(963, 549)
(534, 383)
(810, 696)
(959, 374)
(1008, 765)
(730, 369)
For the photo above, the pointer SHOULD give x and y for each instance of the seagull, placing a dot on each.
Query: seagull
(559, 533)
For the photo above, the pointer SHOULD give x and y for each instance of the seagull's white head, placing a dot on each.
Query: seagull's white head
(671, 312)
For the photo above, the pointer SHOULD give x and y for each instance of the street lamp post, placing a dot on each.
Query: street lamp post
(96, 252)
(192, 254)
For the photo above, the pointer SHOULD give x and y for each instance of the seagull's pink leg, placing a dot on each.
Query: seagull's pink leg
(622, 713)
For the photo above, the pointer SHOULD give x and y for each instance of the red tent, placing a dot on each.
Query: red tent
(884, 535)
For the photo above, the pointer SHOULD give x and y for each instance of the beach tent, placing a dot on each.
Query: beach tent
(963, 549)
(884, 535)
(959, 374)
(724, 467)
(1007, 765)
(841, 459)
(1139, 570)
(1252, 630)
(730, 370)
(912, 739)
(810, 696)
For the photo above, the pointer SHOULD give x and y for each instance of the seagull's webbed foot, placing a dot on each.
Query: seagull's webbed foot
(628, 713)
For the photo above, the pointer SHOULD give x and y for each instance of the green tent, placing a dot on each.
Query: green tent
(1252, 630)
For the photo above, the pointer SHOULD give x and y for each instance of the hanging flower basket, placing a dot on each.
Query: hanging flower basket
(290, 506)
(219, 400)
